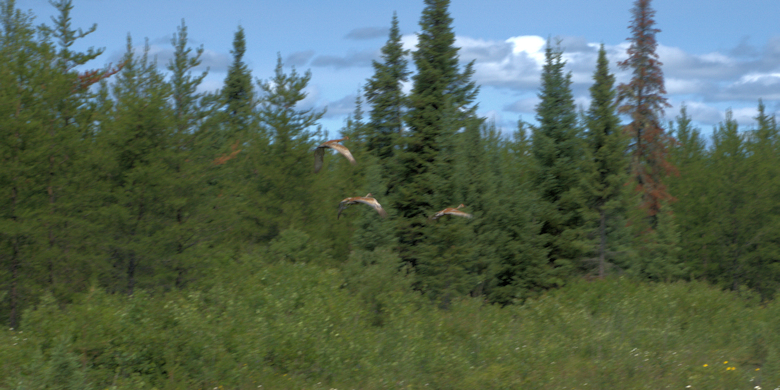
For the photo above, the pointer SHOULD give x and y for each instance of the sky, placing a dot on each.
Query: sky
(717, 55)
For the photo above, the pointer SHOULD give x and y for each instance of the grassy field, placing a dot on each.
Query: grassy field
(296, 326)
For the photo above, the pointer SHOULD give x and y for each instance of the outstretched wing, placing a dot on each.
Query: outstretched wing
(451, 211)
(319, 155)
(344, 152)
(459, 213)
(375, 205)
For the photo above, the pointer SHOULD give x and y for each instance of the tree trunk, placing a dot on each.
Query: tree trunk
(14, 265)
(602, 242)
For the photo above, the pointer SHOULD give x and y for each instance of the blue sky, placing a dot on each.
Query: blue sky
(717, 54)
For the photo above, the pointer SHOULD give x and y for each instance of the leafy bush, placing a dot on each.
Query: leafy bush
(299, 325)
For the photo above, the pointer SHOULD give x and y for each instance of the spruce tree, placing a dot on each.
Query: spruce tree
(224, 139)
(763, 250)
(238, 92)
(279, 171)
(385, 96)
(26, 60)
(691, 157)
(512, 262)
(605, 163)
(557, 149)
(189, 197)
(49, 112)
(642, 100)
(71, 112)
(441, 96)
(135, 175)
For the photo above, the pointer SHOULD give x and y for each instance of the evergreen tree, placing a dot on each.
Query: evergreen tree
(762, 251)
(49, 112)
(279, 171)
(189, 197)
(557, 149)
(691, 157)
(23, 65)
(369, 231)
(229, 130)
(70, 112)
(136, 173)
(384, 94)
(441, 98)
(731, 227)
(642, 99)
(512, 262)
(605, 162)
(729, 205)
(238, 93)
(186, 99)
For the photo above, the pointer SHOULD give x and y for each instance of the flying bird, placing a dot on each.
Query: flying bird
(368, 199)
(319, 152)
(452, 211)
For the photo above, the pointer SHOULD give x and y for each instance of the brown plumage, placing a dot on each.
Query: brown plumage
(451, 211)
(319, 152)
(368, 199)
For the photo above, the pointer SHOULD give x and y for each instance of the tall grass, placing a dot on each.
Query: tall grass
(288, 325)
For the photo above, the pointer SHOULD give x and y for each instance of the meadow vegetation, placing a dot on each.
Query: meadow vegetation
(283, 324)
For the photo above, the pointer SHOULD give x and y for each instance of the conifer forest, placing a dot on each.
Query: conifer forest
(154, 236)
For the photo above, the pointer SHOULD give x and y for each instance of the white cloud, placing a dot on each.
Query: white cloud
(725, 78)
(409, 41)
(531, 45)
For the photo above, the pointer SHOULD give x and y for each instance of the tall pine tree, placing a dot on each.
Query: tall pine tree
(642, 100)
(557, 150)
(385, 95)
(439, 87)
(440, 102)
(134, 179)
(238, 93)
(605, 163)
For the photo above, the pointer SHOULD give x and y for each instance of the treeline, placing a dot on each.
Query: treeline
(127, 178)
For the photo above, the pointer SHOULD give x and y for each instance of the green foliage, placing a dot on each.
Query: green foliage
(731, 226)
(296, 246)
(288, 324)
(605, 166)
(510, 246)
(557, 149)
(441, 102)
(238, 94)
(384, 93)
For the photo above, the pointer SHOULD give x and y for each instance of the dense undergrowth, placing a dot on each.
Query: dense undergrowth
(294, 325)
